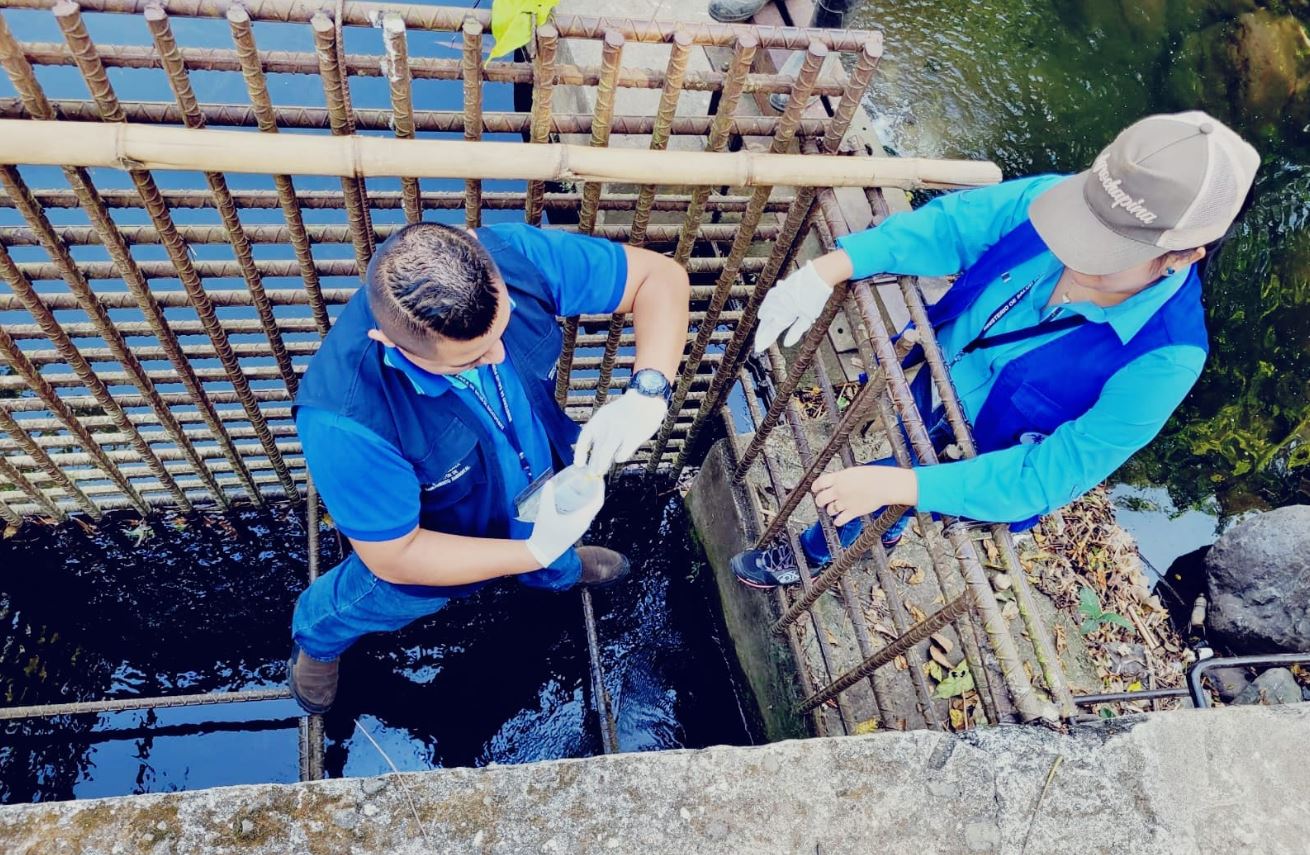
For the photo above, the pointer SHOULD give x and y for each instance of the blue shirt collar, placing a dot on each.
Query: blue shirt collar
(1128, 318)
(424, 382)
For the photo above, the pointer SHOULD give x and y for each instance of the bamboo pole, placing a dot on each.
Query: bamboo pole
(389, 200)
(145, 147)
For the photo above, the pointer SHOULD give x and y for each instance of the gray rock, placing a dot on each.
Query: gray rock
(1229, 682)
(1275, 686)
(1258, 574)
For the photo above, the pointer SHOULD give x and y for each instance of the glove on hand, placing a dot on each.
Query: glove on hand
(614, 432)
(554, 533)
(793, 304)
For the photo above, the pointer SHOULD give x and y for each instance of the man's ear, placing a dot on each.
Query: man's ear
(381, 338)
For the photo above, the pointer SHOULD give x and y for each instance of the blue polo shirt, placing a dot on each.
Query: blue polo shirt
(946, 236)
(371, 489)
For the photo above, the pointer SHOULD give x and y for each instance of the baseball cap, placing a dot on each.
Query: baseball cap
(1168, 182)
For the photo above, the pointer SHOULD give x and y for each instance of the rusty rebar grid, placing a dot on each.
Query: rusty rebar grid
(180, 83)
(12, 475)
(1026, 701)
(426, 68)
(820, 631)
(252, 71)
(799, 214)
(471, 72)
(52, 470)
(611, 56)
(68, 16)
(449, 20)
(916, 634)
(543, 89)
(782, 140)
(779, 593)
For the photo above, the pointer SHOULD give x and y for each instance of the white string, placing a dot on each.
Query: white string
(404, 788)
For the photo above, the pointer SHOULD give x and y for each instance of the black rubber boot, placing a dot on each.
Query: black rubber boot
(313, 682)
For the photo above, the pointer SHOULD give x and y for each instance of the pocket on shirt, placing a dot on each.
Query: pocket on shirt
(1039, 413)
(450, 470)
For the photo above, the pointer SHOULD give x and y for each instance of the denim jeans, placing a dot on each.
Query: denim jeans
(348, 602)
(816, 547)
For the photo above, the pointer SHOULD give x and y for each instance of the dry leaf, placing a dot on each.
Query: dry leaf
(958, 720)
(943, 641)
(915, 612)
(917, 577)
(940, 657)
(10, 531)
(869, 725)
(902, 664)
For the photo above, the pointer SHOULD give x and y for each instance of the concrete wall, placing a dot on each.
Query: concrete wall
(1221, 781)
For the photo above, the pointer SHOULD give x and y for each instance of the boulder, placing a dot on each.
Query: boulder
(1258, 574)
(1275, 686)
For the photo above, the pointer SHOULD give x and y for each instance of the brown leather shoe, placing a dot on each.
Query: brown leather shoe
(313, 682)
(601, 566)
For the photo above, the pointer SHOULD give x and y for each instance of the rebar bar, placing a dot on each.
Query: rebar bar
(24, 440)
(10, 474)
(471, 72)
(252, 71)
(341, 120)
(394, 65)
(543, 89)
(123, 704)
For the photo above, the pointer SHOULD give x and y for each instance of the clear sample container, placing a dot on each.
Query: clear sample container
(575, 487)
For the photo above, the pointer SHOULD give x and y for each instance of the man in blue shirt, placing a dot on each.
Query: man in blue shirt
(1074, 332)
(428, 416)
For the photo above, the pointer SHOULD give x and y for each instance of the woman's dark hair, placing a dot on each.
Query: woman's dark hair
(431, 278)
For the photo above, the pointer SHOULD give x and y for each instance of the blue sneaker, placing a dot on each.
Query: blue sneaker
(766, 568)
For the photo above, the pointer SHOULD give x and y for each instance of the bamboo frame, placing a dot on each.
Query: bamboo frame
(353, 158)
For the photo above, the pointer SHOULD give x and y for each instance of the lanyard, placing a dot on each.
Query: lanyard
(1042, 328)
(502, 426)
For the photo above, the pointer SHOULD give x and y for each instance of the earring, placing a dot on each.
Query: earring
(1169, 271)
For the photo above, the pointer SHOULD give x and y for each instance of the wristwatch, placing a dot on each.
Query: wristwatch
(652, 384)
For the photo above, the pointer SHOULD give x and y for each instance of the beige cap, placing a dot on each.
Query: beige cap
(1168, 182)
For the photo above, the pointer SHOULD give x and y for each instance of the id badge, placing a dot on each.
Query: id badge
(529, 498)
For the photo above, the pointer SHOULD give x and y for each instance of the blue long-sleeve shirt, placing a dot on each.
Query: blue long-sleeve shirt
(946, 236)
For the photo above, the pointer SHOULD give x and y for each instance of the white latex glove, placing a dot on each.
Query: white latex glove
(614, 432)
(793, 304)
(553, 533)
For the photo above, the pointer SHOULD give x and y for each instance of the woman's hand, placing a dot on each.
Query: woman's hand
(858, 490)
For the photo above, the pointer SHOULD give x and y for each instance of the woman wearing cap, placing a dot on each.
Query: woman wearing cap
(1074, 332)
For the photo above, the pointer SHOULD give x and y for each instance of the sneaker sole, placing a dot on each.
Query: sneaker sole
(756, 585)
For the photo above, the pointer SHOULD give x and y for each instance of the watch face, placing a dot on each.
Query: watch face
(650, 382)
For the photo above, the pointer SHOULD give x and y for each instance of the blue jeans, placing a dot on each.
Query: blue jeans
(348, 602)
(816, 547)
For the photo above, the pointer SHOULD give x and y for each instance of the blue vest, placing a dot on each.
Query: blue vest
(445, 441)
(1037, 392)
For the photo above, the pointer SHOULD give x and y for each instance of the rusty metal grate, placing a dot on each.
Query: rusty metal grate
(156, 322)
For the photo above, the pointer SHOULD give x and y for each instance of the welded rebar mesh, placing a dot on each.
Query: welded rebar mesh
(174, 343)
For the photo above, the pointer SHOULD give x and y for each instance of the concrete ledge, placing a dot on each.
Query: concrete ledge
(1228, 780)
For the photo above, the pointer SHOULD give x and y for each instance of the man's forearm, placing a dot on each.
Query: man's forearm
(435, 558)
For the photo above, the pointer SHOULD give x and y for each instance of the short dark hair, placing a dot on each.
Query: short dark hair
(431, 278)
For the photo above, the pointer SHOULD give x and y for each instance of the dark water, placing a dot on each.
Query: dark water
(1042, 85)
(203, 605)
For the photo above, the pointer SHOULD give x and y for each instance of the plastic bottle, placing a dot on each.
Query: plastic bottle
(575, 487)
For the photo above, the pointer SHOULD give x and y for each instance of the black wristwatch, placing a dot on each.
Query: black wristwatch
(652, 384)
